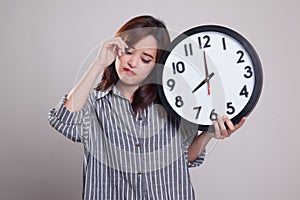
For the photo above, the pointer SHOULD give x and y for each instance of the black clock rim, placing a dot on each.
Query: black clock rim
(247, 46)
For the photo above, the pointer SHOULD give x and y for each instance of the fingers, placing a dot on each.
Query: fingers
(224, 127)
(109, 50)
(220, 128)
(121, 46)
(116, 45)
(241, 123)
(229, 124)
(217, 134)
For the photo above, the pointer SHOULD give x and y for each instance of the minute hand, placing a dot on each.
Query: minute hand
(206, 72)
(203, 82)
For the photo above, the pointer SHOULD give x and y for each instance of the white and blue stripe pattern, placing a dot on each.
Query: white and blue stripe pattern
(126, 156)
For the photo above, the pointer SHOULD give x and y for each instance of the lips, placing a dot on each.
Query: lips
(129, 71)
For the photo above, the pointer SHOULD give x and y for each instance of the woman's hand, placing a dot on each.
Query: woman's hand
(107, 53)
(109, 50)
(221, 131)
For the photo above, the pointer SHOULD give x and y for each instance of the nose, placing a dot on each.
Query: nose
(133, 61)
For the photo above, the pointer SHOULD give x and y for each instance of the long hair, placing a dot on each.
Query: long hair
(131, 32)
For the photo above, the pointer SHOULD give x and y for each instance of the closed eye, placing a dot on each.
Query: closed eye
(130, 51)
(146, 61)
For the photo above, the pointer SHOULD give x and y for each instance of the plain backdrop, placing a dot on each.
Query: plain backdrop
(43, 45)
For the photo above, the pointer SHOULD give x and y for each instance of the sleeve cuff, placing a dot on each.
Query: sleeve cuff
(70, 124)
(197, 162)
(66, 116)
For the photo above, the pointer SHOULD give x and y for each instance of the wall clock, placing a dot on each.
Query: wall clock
(210, 70)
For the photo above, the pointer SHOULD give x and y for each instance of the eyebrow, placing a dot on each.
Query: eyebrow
(146, 54)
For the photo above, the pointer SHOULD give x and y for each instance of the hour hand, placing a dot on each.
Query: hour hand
(204, 81)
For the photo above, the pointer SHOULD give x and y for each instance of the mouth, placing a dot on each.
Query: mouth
(129, 71)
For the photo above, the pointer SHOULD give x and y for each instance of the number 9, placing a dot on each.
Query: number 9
(171, 84)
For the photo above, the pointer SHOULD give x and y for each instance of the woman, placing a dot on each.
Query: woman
(133, 149)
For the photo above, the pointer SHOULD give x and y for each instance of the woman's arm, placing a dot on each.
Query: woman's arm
(221, 132)
(106, 55)
(198, 145)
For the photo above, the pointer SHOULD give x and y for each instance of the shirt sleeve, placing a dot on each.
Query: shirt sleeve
(198, 161)
(71, 124)
(189, 135)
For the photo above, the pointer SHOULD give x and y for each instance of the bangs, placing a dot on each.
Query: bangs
(132, 36)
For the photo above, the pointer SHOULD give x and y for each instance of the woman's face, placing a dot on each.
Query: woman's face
(137, 62)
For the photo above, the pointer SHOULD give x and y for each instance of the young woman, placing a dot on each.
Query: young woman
(133, 149)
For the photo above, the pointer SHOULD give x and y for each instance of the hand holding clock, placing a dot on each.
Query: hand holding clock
(223, 127)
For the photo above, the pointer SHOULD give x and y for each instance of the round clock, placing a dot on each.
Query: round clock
(210, 70)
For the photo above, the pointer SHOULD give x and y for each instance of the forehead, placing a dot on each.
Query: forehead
(147, 43)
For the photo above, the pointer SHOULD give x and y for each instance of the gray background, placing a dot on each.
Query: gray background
(43, 44)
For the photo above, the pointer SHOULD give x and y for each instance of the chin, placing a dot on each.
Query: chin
(127, 82)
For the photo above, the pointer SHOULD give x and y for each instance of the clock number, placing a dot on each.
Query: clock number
(244, 92)
(198, 111)
(206, 39)
(213, 115)
(188, 49)
(178, 101)
(171, 84)
(178, 67)
(249, 71)
(240, 60)
(230, 108)
(224, 44)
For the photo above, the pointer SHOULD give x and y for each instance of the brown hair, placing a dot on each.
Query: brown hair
(131, 32)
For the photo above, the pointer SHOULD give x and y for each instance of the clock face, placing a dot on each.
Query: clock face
(210, 70)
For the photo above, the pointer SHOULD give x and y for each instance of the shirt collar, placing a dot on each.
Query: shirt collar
(113, 89)
(100, 94)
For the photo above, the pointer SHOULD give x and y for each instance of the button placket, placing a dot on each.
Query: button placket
(138, 145)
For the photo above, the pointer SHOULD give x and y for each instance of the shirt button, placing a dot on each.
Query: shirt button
(140, 118)
(139, 172)
(137, 144)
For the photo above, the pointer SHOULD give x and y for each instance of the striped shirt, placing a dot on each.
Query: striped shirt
(127, 156)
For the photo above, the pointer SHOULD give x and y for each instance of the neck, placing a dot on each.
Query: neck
(126, 90)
